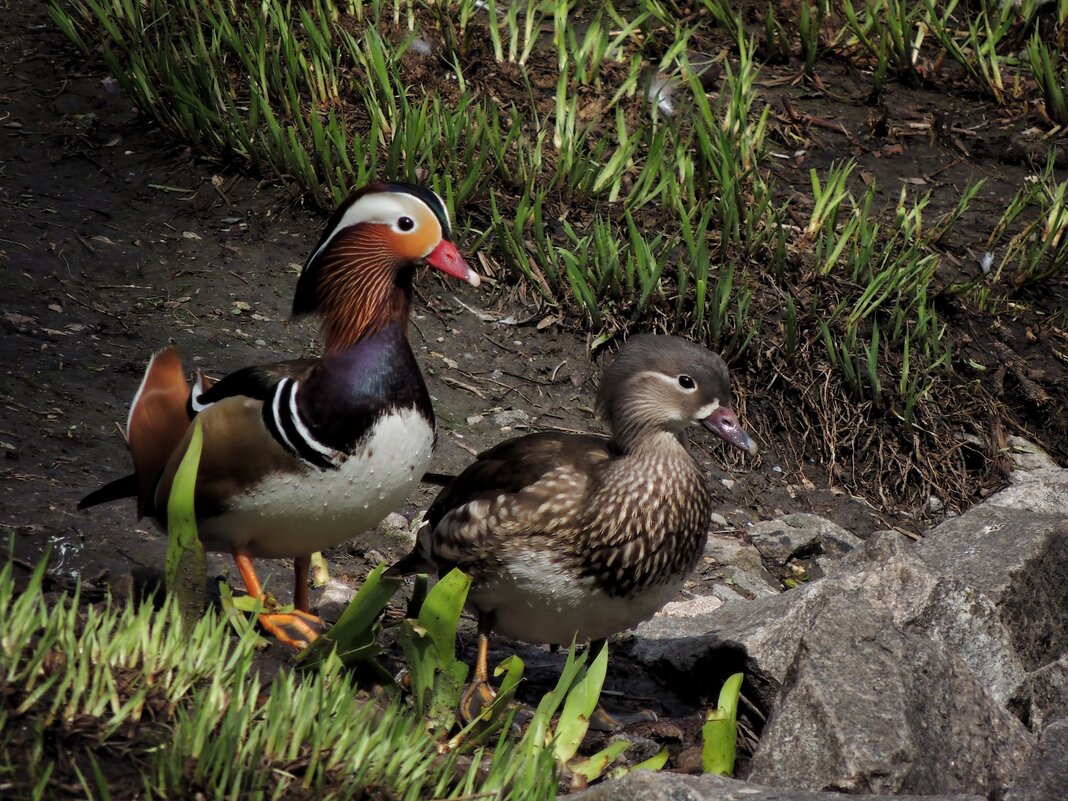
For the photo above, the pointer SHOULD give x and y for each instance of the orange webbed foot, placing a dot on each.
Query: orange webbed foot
(296, 629)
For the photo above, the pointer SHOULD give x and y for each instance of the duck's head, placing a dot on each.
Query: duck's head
(359, 275)
(665, 383)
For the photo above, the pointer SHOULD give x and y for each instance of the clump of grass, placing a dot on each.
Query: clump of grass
(113, 700)
(976, 48)
(890, 30)
(1050, 68)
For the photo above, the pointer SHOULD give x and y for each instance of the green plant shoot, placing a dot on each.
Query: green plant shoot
(719, 735)
(430, 649)
(186, 565)
(354, 633)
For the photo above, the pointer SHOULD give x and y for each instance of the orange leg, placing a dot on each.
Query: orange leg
(297, 628)
(479, 694)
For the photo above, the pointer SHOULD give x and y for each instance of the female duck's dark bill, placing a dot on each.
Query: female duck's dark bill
(447, 258)
(723, 422)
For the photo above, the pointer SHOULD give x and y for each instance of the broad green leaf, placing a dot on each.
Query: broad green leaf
(429, 644)
(440, 613)
(720, 733)
(186, 565)
(354, 633)
(592, 767)
(578, 707)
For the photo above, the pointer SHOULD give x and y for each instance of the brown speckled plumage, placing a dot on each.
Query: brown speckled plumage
(587, 535)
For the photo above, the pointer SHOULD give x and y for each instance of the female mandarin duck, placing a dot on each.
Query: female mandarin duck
(577, 536)
(301, 455)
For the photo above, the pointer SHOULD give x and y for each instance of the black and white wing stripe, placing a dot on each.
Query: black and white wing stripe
(282, 418)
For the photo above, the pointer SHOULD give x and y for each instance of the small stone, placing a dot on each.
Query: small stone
(1027, 457)
(727, 594)
(718, 521)
(474, 419)
(334, 599)
(727, 549)
(690, 760)
(420, 47)
(511, 417)
(395, 521)
(935, 505)
(698, 606)
(640, 748)
(727, 482)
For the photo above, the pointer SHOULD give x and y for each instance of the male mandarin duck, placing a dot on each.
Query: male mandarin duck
(304, 454)
(579, 536)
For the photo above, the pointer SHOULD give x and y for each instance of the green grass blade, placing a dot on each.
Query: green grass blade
(186, 564)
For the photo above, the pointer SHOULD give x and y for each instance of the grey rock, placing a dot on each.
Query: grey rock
(727, 593)
(799, 535)
(900, 670)
(769, 628)
(1041, 491)
(699, 606)
(1013, 550)
(1046, 776)
(511, 417)
(751, 585)
(868, 708)
(1046, 695)
(1027, 457)
(889, 574)
(639, 748)
(333, 599)
(644, 786)
(728, 549)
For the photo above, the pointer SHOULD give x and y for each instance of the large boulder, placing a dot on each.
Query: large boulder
(1046, 776)
(869, 708)
(897, 671)
(645, 786)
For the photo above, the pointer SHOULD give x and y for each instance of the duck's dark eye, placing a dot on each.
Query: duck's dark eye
(406, 223)
(686, 382)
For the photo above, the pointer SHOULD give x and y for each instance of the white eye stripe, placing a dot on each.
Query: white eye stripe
(706, 410)
(383, 208)
(673, 380)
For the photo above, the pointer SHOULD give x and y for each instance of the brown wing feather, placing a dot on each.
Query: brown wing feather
(237, 453)
(158, 420)
(526, 487)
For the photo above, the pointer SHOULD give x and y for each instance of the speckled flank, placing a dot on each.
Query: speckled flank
(293, 515)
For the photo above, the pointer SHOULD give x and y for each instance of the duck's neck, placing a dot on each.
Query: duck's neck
(362, 305)
(638, 441)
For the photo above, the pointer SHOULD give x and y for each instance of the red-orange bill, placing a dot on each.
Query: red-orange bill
(447, 258)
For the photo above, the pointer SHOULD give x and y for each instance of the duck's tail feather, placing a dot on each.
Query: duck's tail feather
(159, 417)
(438, 479)
(125, 487)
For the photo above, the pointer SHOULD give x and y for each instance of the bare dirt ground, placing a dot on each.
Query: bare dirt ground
(113, 243)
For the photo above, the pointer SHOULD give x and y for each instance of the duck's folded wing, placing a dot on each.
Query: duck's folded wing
(526, 487)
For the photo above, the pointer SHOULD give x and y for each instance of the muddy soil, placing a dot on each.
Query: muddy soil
(114, 242)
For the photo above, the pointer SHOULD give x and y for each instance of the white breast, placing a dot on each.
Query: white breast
(294, 515)
(537, 602)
